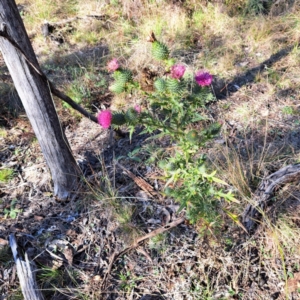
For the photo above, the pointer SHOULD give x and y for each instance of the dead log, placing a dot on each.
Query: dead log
(48, 27)
(25, 271)
(265, 192)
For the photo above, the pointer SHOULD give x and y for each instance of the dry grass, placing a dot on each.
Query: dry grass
(36, 12)
(226, 40)
(260, 133)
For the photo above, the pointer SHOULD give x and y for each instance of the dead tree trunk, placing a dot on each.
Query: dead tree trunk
(35, 95)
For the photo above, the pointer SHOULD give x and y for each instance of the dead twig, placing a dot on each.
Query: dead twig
(145, 186)
(70, 20)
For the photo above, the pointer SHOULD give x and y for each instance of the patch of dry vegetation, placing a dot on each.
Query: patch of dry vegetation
(253, 51)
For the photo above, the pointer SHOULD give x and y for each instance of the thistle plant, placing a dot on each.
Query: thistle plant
(174, 110)
(123, 77)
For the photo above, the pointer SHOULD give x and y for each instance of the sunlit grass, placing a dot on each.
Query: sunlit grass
(37, 11)
(6, 175)
(288, 234)
(86, 38)
(3, 133)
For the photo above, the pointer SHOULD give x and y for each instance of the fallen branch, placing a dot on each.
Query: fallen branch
(137, 243)
(71, 102)
(48, 27)
(25, 272)
(265, 192)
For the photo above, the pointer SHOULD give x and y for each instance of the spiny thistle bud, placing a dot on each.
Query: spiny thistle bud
(117, 87)
(131, 115)
(118, 119)
(122, 76)
(193, 136)
(159, 50)
(160, 85)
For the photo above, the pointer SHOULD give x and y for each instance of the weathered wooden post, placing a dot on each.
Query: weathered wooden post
(34, 92)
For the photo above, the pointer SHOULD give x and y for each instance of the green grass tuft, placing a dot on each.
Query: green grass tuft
(6, 175)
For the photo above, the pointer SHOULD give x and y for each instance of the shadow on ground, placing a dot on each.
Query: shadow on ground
(223, 89)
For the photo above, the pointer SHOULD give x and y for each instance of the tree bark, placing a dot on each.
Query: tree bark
(34, 92)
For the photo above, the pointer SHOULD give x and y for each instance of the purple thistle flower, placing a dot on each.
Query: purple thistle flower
(138, 108)
(113, 65)
(104, 118)
(177, 71)
(203, 78)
